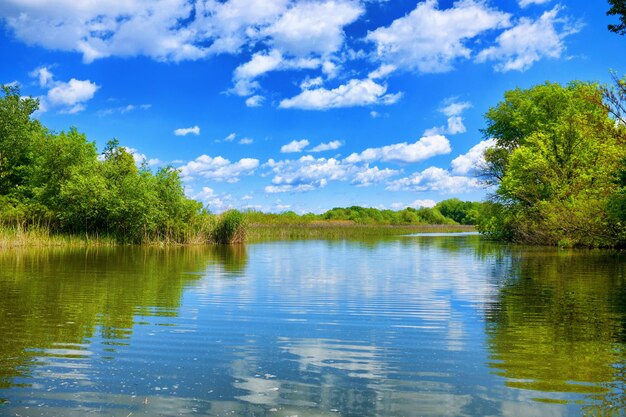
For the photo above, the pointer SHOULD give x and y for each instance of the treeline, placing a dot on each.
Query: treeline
(447, 212)
(59, 182)
(558, 166)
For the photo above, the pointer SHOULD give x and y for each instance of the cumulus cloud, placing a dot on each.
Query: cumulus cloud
(432, 40)
(453, 110)
(255, 101)
(373, 175)
(424, 148)
(329, 146)
(219, 169)
(69, 97)
(435, 179)
(354, 93)
(184, 131)
(246, 141)
(308, 171)
(294, 146)
(473, 160)
(313, 27)
(215, 202)
(518, 48)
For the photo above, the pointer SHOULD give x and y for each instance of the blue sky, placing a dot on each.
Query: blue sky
(299, 105)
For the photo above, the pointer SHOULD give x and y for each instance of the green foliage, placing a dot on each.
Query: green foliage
(231, 228)
(59, 182)
(557, 151)
(462, 212)
(618, 8)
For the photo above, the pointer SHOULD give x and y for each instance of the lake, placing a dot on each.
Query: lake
(408, 326)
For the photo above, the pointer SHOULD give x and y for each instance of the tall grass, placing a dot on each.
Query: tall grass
(342, 230)
(231, 227)
(18, 236)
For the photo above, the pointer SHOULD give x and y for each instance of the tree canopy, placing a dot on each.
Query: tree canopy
(618, 8)
(58, 180)
(557, 153)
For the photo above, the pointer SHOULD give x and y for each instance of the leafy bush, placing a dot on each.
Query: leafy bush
(231, 228)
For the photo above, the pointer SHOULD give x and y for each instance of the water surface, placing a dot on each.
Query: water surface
(412, 326)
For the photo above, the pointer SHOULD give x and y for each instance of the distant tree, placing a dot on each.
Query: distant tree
(618, 8)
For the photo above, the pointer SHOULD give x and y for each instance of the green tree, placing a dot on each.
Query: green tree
(18, 133)
(554, 162)
(618, 8)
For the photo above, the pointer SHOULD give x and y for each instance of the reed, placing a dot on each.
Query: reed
(342, 230)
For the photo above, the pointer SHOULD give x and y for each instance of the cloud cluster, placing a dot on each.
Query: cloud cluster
(218, 169)
(67, 97)
(435, 179)
(424, 148)
(430, 39)
(519, 47)
(291, 35)
(453, 110)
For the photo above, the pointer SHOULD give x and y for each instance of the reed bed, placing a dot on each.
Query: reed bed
(342, 230)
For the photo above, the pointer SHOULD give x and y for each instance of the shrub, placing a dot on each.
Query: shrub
(231, 228)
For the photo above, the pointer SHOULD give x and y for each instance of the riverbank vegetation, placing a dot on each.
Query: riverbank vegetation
(558, 165)
(57, 189)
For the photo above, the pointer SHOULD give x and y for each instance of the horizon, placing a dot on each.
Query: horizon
(300, 105)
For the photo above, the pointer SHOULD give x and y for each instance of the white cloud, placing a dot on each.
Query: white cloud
(329, 146)
(313, 27)
(43, 74)
(373, 175)
(294, 146)
(426, 147)
(69, 97)
(453, 110)
(184, 131)
(526, 3)
(231, 137)
(255, 101)
(141, 158)
(435, 179)
(382, 72)
(354, 93)
(518, 48)
(311, 82)
(309, 171)
(473, 160)
(72, 93)
(431, 40)
(124, 109)
(275, 189)
(212, 200)
(218, 168)
(415, 204)
(246, 141)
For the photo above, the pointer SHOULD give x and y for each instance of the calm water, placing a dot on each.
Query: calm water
(413, 326)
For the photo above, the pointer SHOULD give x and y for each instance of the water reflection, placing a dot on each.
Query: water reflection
(55, 301)
(557, 325)
(412, 326)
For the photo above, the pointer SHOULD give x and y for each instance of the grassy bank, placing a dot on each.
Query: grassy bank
(342, 230)
(15, 236)
(11, 236)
